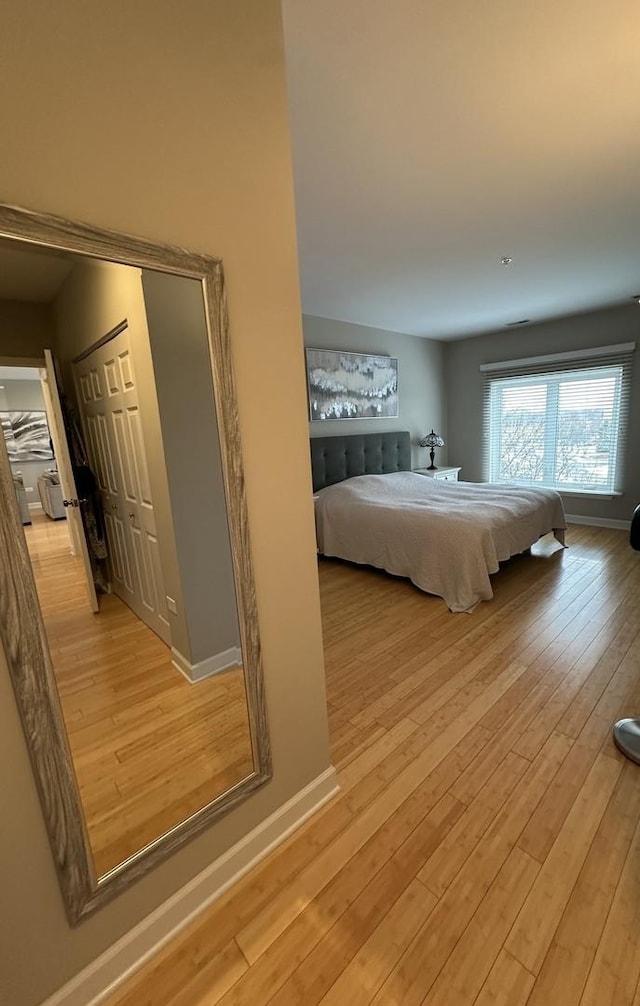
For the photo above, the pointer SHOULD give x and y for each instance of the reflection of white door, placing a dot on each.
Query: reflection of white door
(108, 398)
(53, 406)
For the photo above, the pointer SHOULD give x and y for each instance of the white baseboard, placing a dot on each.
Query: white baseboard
(206, 668)
(620, 525)
(97, 981)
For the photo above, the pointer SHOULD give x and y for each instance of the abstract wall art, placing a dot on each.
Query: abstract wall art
(26, 436)
(351, 385)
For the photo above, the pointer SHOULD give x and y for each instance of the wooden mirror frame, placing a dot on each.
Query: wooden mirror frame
(22, 630)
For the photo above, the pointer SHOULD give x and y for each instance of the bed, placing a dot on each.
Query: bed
(446, 537)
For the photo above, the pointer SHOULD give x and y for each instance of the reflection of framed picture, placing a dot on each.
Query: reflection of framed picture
(7, 432)
(26, 435)
(351, 385)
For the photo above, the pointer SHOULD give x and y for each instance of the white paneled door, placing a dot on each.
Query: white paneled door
(108, 397)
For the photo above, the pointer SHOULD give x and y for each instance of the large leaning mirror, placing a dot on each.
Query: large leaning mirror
(127, 604)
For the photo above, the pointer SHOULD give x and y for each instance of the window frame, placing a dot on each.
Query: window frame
(553, 371)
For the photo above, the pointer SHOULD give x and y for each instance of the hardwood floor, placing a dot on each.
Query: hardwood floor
(485, 845)
(149, 748)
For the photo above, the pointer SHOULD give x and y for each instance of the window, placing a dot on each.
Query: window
(558, 421)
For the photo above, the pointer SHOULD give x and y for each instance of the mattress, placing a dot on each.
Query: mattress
(446, 537)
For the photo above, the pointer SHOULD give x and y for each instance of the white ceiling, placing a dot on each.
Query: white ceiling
(433, 137)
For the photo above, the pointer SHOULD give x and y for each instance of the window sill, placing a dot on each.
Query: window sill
(584, 493)
(588, 495)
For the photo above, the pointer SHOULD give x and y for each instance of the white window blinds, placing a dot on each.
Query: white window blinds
(558, 420)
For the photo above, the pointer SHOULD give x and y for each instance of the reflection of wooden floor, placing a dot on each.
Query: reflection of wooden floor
(485, 846)
(149, 748)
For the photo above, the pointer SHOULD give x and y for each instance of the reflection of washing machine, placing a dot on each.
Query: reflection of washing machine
(21, 495)
(634, 534)
(50, 494)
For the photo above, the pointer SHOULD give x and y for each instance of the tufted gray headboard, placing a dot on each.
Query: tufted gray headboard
(334, 459)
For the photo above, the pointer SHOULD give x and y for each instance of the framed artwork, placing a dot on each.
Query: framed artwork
(26, 436)
(351, 385)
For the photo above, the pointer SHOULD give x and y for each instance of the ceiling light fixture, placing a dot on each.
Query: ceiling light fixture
(506, 260)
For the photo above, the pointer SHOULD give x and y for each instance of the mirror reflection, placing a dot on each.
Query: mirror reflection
(110, 429)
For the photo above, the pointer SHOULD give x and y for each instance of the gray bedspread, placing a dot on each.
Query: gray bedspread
(446, 537)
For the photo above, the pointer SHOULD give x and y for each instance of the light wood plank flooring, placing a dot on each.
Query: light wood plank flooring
(485, 846)
(149, 748)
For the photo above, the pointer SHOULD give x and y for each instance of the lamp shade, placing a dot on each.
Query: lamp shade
(432, 440)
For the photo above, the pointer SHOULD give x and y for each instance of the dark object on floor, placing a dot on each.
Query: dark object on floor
(634, 533)
(626, 733)
(626, 737)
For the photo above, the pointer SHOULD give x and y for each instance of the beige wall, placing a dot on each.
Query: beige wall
(169, 121)
(26, 330)
(421, 403)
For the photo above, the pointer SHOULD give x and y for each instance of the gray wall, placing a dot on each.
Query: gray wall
(420, 381)
(184, 386)
(19, 396)
(463, 389)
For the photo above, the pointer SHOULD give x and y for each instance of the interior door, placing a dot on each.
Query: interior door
(73, 504)
(108, 397)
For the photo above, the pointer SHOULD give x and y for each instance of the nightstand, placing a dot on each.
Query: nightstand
(442, 474)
